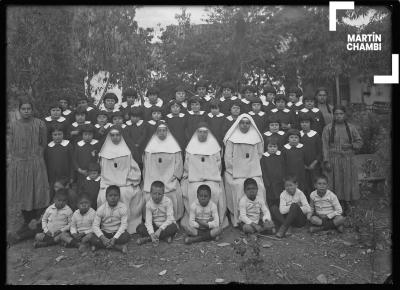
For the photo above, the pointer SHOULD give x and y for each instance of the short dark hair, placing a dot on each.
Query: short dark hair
(80, 111)
(321, 176)
(111, 187)
(56, 127)
(291, 178)
(62, 192)
(157, 184)
(25, 100)
(273, 141)
(249, 181)
(54, 105)
(94, 166)
(86, 196)
(204, 187)
(136, 112)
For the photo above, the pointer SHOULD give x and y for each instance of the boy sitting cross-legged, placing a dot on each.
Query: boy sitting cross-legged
(56, 222)
(326, 211)
(111, 222)
(160, 222)
(203, 217)
(250, 209)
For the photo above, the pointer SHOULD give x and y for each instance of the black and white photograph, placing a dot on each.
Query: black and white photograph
(179, 144)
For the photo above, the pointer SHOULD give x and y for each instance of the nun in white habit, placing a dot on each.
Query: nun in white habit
(119, 168)
(243, 150)
(203, 166)
(162, 160)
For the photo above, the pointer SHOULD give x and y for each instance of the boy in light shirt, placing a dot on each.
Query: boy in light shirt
(250, 208)
(326, 211)
(160, 222)
(111, 222)
(203, 218)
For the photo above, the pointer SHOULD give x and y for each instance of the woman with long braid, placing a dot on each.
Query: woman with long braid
(339, 142)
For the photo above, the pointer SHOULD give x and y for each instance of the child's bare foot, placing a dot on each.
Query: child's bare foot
(340, 229)
(289, 232)
(169, 240)
(141, 241)
(93, 248)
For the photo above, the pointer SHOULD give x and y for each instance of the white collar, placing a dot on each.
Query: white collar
(315, 110)
(63, 143)
(287, 146)
(274, 110)
(208, 97)
(152, 122)
(129, 123)
(89, 109)
(299, 103)
(217, 116)
(286, 110)
(105, 125)
(192, 113)
(181, 115)
(81, 143)
(309, 134)
(67, 112)
(222, 99)
(244, 100)
(230, 118)
(261, 113)
(61, 119)
(124, 104)
(276, 153)
(159, 103)
(97, 179)
(269, 133)
(304, 110)
(123, 126)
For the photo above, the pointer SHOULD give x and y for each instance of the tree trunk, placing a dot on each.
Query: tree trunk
(337, 90)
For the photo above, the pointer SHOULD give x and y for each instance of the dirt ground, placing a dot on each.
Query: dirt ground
(355, 256)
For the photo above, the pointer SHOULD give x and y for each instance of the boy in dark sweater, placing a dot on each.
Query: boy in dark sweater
(100, 128)
(74, 130)
(152, 101)
(312, 150)
(286, 116)
(195, 116)
(91, 184)
(318, 122)
(259, 117)
(273, 172)
(247, 94)
(82, 102)
(227, 98)
(176, 121)
(55, 118)
(135, 134)
(216, 121)
(85, 152)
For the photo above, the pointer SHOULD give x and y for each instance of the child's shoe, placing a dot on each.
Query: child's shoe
(143, 240)
(289, 232)
(340, 229)
(217, 238)
(93, 248)
(169, 240)
(281, 232)
(81, 247)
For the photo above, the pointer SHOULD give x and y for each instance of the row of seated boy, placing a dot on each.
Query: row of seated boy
(106, 227)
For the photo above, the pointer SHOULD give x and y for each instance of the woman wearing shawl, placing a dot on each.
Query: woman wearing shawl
(243, 150)
(203, 166)
(119, 168)
(162, 161)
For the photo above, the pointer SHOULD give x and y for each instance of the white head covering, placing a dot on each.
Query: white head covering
(253, 136)
(109, 150)
(209, 147)
(168, 145)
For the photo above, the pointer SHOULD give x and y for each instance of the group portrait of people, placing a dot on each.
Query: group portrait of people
(89, 177)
